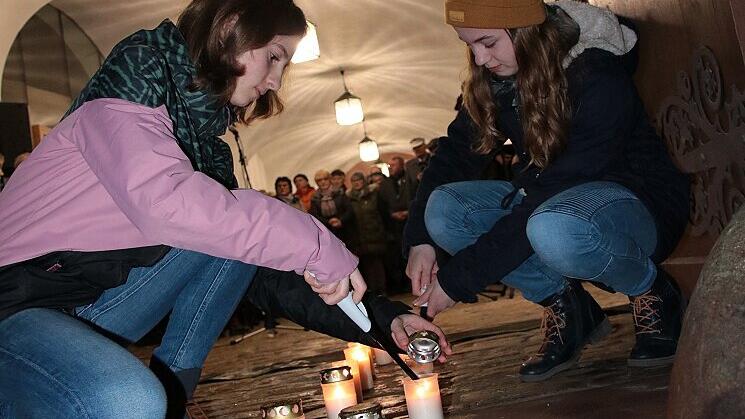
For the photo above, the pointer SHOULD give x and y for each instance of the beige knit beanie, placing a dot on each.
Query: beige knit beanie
(494, 14)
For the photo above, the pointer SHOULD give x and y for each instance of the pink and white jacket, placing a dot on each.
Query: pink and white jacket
(111, 176)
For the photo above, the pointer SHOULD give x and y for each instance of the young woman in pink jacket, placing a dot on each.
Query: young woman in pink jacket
(128, 211)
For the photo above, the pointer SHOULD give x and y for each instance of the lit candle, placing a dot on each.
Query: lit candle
(423, 397)
(369, 351)
(286, 409)
(338, 390)
(351, 363)
(418, 368)
(359, 354)
(382, 357)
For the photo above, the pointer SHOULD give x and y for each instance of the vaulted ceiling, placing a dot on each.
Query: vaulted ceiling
(399, 56)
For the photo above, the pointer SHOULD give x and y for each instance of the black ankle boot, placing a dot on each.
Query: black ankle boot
(658, 316)
(571, 320)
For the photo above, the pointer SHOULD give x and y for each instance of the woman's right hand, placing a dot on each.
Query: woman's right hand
(422, 267)
(333, 292)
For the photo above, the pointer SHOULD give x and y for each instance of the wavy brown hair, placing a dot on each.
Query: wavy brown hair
(218, 31)
(545, 109)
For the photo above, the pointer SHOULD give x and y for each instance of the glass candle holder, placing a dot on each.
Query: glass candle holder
(368, 410)
(338, 390)
(352, 364)
(423, 397)
(284, 409)
(359, 353)
(382, 357)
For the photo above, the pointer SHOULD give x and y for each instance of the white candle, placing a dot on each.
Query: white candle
(423, 397)
(359, 354)
(338, 390)
(369, 351)
(351, 363)
(382, 357)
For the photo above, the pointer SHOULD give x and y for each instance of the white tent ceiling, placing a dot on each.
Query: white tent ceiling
(399, 57)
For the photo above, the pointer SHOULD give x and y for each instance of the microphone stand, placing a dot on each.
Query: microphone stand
(241, 156)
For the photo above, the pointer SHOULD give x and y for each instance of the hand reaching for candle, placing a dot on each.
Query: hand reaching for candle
(422, 267)
(406, 324)
(436, 299)
(334, 292)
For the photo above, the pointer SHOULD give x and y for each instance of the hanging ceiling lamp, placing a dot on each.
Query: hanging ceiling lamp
(308, 48)
(368, 148)
(348, 107)
(384, 168)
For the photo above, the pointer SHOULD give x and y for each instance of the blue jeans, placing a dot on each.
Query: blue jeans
(64, 368)
(598, 231)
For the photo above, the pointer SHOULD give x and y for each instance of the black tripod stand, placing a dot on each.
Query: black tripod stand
(241, 156)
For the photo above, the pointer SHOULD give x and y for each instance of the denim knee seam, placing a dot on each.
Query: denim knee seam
(202, 308)
(75, 400)
(582, 215)
(121, 298)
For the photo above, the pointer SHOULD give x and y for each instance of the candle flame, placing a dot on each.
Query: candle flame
(359, 354)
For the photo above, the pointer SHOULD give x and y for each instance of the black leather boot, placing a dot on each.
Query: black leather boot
(571, 320)
(658, 317)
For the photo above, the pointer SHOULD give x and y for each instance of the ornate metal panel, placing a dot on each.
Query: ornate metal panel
(705, 134)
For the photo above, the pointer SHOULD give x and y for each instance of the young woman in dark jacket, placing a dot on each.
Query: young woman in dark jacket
(595, 196)
(124, 214)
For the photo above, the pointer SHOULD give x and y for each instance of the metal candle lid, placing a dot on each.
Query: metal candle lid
(336, 374)
(424, 347)
(366, 410)
(283, 409)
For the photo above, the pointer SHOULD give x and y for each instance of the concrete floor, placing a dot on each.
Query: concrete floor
(490, 338)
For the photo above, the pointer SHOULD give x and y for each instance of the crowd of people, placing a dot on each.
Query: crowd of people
(367, 211)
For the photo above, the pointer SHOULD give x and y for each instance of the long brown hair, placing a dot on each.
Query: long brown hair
(250, 24)
(545, 109)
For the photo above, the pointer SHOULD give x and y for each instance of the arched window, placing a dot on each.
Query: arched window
(49, 63)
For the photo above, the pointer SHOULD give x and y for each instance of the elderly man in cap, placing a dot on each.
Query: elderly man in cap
(415, 166)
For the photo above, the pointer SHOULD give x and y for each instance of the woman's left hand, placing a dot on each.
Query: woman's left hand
(435, 298)
(406, 324)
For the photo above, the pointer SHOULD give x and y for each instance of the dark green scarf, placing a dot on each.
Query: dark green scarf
(153, 68)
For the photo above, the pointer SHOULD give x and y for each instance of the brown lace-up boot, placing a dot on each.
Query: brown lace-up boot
(571, 320)
(658, 317)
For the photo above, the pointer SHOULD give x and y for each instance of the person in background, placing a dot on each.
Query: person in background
(415, 167)
(595, 197)
(396, 193)
(283, 191)
(370, 232)
(303, 191)
(331, 207)
(20, 159)
(376, 179)
(338, 180)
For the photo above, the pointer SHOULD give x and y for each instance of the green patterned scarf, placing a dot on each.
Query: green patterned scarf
(153, 68)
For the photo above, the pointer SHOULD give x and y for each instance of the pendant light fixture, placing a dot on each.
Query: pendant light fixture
(348, 107)
(368, 148)
(308, 48)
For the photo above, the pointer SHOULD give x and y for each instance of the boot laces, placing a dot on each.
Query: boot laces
(551, 326)
(646, 316)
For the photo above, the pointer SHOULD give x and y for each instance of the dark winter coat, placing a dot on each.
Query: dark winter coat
(368, 212)
(610, 139)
